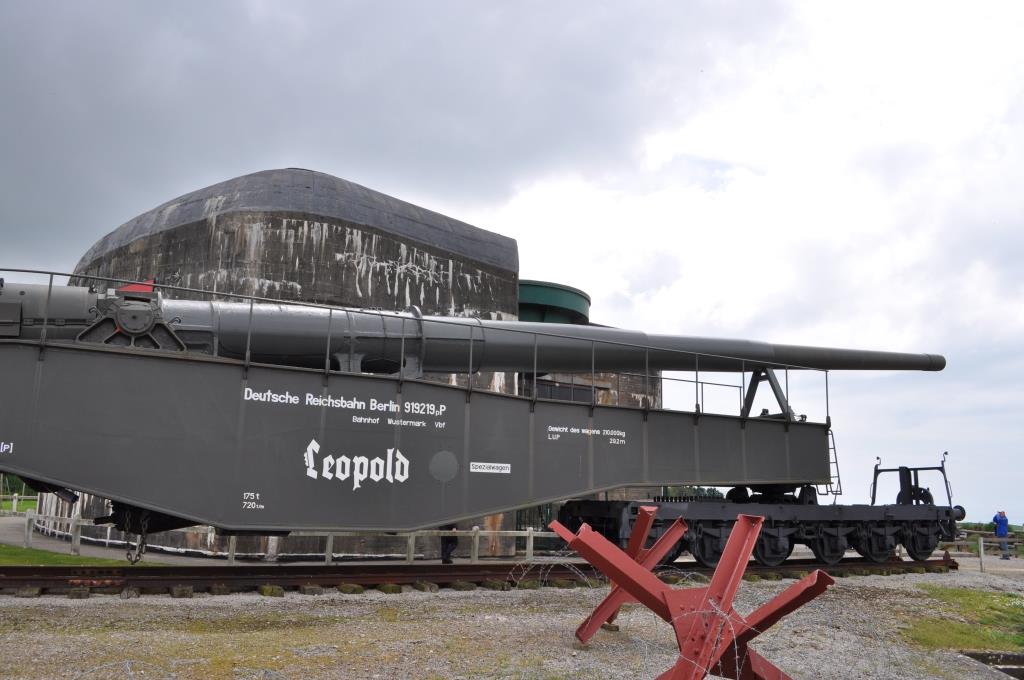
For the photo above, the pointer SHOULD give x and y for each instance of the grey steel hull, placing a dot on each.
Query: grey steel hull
(273, 448)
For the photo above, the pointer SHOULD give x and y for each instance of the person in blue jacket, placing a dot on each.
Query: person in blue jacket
(1003, 532)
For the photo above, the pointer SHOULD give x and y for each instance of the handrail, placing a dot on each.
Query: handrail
(382, 314)
(699, 406)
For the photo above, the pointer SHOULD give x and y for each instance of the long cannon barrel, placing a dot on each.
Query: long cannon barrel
(352, 339)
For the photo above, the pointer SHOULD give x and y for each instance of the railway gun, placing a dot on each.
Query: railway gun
(260, 416)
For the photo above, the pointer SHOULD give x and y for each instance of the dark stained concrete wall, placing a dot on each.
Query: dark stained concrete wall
(304, 257)
(296, 234)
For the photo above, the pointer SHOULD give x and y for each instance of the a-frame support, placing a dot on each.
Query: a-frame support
(756, 377)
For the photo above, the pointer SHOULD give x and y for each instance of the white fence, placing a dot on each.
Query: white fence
(17, 502)
(74, 531)
(997, 543)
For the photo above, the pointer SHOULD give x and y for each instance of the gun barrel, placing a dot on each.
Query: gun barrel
(289, 335)
(297, 335)
(510, 346)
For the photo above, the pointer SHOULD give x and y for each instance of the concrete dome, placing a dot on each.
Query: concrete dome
(305, 235)
(296, 190)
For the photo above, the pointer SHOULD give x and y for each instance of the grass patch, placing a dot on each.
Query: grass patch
(993, 621)
(12, 556)
(252, 623)
(263, 651)
(23, 506)
(264, 623)
(388, 614)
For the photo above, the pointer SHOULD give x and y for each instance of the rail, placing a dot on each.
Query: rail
(184, 581)
(700, 402)
(74, 532)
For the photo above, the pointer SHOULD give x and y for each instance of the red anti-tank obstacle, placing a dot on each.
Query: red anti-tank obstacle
(712, 636)
(647, 558)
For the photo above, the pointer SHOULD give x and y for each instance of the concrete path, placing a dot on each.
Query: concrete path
(1013, 567)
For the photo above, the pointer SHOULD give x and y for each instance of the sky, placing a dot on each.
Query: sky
(811, 173)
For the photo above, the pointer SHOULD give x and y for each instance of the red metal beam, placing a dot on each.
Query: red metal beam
(641, 528)
(648, 559)
(705, 615)
(643, 585)
(710, 633)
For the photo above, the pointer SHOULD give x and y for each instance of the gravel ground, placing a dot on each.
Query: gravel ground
(850, 632)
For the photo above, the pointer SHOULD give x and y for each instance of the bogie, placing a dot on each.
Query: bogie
(707, 542)
(829, 531)
(771, 550)
(920, 540)
(829, 543)
(876, 541)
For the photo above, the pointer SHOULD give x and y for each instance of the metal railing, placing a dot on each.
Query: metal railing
(700, 403)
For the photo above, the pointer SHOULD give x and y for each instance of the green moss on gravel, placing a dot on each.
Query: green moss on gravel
(991, 620)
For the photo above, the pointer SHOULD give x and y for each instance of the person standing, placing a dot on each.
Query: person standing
(448, 545)
(1003, 533)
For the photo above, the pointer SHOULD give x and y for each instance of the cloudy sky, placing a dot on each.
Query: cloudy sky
(809, 173)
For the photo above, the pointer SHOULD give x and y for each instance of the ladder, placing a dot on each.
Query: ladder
(834, 486)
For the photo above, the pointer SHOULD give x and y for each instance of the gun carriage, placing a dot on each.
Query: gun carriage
(258, 416)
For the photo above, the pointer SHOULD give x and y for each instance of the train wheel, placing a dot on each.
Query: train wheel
(828, 549)
(771, 551)
(673, 554)
(920, 540)
(738, 494)
(874, 543)
(706, 548)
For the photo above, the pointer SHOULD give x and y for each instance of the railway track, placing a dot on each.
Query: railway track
(147, 579)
